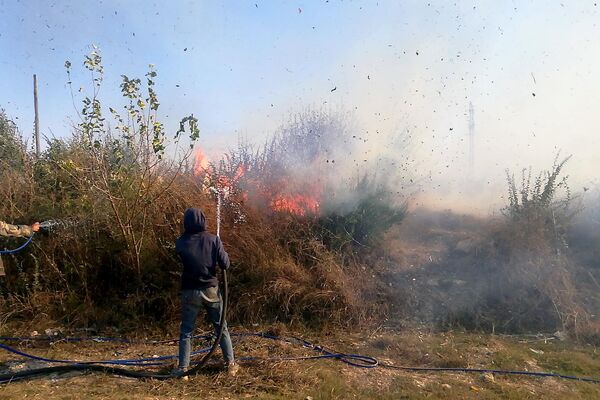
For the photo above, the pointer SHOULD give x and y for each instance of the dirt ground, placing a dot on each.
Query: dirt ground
(328, 378)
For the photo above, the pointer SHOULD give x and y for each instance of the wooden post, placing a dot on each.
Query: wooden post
(37, 118)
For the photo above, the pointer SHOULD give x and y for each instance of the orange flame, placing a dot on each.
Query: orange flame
(228, 182)
(200, 162)
(304, 202)
(298, 204)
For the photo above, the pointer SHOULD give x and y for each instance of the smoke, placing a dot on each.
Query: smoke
(531, 89)
(584, 235)
(320, 162)
(529, 69)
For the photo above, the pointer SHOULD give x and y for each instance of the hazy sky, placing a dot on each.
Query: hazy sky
(530, 68)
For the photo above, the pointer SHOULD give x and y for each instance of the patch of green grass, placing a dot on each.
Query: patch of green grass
(331, 387)
(511, 357)
(570, 362)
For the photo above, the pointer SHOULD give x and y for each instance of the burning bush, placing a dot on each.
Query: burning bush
(117, 266)
(292, 172)
(291, 186)
(296, 173)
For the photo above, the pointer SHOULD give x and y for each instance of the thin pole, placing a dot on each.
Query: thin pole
(219, 201)
(37, 117)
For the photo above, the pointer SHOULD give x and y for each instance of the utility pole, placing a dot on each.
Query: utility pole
(471, 137)
(37, 117)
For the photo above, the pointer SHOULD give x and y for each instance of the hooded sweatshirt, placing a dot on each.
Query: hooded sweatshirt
(200, 252)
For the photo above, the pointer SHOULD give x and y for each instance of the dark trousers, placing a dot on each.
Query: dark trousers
(191, 303)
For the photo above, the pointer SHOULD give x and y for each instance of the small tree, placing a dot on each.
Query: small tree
(533, 242)
(128, 167)
(12, 147)
(537, 207)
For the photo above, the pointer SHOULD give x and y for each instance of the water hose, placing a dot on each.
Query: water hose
(18, 248)
(97, 367)
(47, 225)
(355, 360)
(108, 369)
(225, 298)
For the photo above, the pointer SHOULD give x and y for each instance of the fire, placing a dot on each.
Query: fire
(281, 196)
(200, 162)
(239, 172)
(226, 181)
(296, 204)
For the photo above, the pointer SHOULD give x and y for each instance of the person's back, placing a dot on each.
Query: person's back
(201, 252)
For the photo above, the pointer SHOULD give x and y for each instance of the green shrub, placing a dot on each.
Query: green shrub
(364, 225)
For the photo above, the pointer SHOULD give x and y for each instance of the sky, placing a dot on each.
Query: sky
(242, 67)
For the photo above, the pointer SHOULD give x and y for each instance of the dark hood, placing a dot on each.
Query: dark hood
(194, 221)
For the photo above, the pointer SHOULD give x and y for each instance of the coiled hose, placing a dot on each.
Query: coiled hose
(355, 360)
(108, 369)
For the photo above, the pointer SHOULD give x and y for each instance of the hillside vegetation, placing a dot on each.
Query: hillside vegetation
(308, 249)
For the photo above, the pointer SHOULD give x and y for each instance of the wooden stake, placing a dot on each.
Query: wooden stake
(37, 118)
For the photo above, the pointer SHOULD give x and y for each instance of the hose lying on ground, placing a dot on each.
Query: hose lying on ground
(78, 366)
(107, 366)
(355, 360)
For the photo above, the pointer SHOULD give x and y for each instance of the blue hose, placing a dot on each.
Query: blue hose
(355, 360)
(18, 248)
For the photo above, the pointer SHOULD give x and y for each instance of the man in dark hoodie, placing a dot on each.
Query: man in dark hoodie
(201, 252)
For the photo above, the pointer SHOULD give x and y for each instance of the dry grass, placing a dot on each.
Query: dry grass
(280, 272)
(292, 277)
(487, 274)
